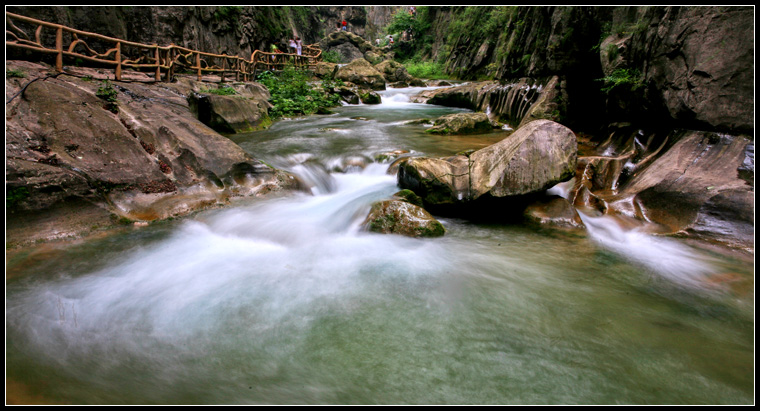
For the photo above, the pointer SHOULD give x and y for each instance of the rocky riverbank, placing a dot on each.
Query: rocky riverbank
(77, 162)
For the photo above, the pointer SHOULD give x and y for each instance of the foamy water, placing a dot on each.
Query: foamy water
(288, 301)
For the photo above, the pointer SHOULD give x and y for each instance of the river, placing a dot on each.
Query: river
(287, 301)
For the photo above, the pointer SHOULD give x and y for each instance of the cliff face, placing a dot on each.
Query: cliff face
(683, 67)
(235, 30)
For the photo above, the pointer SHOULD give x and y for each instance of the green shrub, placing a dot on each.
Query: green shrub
(426, 70)
(622, 77)
(292, 93)
(331, 56)
(221, 91)
(108, 93)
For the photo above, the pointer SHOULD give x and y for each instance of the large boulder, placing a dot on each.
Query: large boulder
(326, 70)
(393, 71)
(695, 187)
(460, 123)
(404, 218)
(363, 74)
(689, 183)
(348, 46)
(242, 112)
(152, 159)
(531, 160)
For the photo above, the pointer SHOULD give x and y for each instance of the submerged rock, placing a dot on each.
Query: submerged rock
(553, 211)
(369, 97)
(394, 72)
(404, 218)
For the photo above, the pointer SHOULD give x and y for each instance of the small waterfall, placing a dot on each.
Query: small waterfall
(670, 259)
(511, 102)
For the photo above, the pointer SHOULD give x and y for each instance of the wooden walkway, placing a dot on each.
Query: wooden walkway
(163, 61)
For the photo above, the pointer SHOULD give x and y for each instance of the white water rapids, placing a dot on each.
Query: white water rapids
(288, 301)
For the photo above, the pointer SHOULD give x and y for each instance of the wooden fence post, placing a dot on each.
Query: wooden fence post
(118, 61)
(170, 62)
(158, 63)
(198, 62)
(59, 48)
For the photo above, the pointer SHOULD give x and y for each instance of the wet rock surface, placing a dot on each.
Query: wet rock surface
(152, 159)
(531, 160)
(404, 218)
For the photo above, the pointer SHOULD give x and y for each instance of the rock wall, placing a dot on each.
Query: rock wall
(235, 30)
(683, 67)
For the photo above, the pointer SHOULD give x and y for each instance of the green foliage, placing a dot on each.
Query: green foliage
(331, 56)
(478, 24)
(294, 94)
(15, 195)
(227, 12)
(221, 91)
(14, 73)
(525, 60)
(401, 20)
(108, 93)
(622, 77)
(425, 69)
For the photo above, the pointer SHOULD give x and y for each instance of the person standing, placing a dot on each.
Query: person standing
(292, 46)
(299, 46)
(344, 25)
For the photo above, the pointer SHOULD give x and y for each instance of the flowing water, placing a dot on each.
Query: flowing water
(287, 301)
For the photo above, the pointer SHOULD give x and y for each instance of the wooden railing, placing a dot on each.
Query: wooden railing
(163, 61)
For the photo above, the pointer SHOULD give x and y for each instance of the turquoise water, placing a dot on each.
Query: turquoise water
(287, 301)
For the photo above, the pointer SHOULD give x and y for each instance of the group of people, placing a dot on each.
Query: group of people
(295, 45)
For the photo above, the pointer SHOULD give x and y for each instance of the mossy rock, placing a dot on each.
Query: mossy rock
(404, 218)
(409, 196)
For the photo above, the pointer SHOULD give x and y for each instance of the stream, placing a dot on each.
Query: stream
(286, 300)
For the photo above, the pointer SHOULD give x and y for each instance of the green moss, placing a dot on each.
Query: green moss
(434, 229)
(409, 196)
(15, 195)
(220, 91)
(14, 73)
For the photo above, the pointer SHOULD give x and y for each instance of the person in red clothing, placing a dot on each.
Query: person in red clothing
(344, 24)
